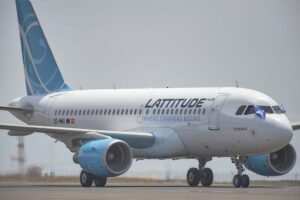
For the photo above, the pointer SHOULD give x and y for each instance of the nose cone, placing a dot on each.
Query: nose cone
(282, 131)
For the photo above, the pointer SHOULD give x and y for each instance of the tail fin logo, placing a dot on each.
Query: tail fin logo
(41, 71)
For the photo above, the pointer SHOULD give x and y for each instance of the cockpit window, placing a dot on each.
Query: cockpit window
(240, 110)
(277, 110)
(267, 109)
(249, 110)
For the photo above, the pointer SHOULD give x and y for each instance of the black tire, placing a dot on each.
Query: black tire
(193, 177)
(100, 181)
(237, 181)
(245, 181)
(207, 177)
(86, 179)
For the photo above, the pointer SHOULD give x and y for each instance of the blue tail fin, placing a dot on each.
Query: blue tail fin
(42, 74)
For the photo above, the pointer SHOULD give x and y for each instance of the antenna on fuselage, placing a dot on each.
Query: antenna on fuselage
(237, 84)
(114, 86)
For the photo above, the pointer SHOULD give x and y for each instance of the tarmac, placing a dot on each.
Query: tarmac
(132, 191)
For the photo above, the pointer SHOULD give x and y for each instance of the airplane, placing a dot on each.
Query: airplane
(106, 129)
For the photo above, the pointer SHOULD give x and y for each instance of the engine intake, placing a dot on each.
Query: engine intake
(274, 164)
(104, 158)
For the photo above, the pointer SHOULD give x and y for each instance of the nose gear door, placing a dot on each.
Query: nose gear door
(215, 110)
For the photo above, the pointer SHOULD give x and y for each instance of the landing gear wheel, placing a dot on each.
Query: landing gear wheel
(86, 179)
(100, 181)
(245, 181)
(237, 181)
(193, 177)
(207, 177)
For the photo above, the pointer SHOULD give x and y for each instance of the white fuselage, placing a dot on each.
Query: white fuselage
(187, 122)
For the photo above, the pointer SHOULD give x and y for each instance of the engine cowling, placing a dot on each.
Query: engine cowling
(274, 164)
(105, 158)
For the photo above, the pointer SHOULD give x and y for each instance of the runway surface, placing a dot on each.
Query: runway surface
(123, 191)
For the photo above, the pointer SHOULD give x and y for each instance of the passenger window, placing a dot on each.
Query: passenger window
(195, 111)
(100, 112)
(154, 111)
(240, 110)
(249, 110)
(199, 112)
(79, 113)
(190, 112)
(75, 112)
(172, 111)
(158, 111)
(59, 112)
(180, 111)
(109, 111)
(203, 112)
(92, 112)
(83, 112)
(87, 112)
(63, 113)
(163, 111)
(126, 112)
(104, 113)
(140, 111)
(122, 112)
(176, 111)
(55, 113)
(135, 111)
(118, 111)
(96, 112)
(67, 112)
(167, 111)
(185, 111)
(130, 112)
(147, 111)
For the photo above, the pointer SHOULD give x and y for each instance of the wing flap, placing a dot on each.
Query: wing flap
(134, 139)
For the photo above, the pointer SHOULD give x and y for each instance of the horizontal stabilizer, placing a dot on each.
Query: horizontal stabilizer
(13, 109)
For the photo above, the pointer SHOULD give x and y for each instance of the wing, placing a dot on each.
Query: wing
(296, 126)
(134, 139)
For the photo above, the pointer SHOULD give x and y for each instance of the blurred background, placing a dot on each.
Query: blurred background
(142, 44)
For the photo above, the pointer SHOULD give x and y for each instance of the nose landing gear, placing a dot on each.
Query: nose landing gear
(203, 175)
(240, 179)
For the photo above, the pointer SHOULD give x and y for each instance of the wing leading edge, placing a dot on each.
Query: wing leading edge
(134, 139)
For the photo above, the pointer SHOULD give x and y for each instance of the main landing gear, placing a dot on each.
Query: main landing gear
(203, 175)
(240, 179)
(87, 180)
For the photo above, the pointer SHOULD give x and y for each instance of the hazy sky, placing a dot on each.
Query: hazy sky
(157, 43)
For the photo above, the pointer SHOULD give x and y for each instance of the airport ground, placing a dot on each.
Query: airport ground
(12, 188)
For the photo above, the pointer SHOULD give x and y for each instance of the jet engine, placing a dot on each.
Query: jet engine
(273, 164)
(105, 158)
